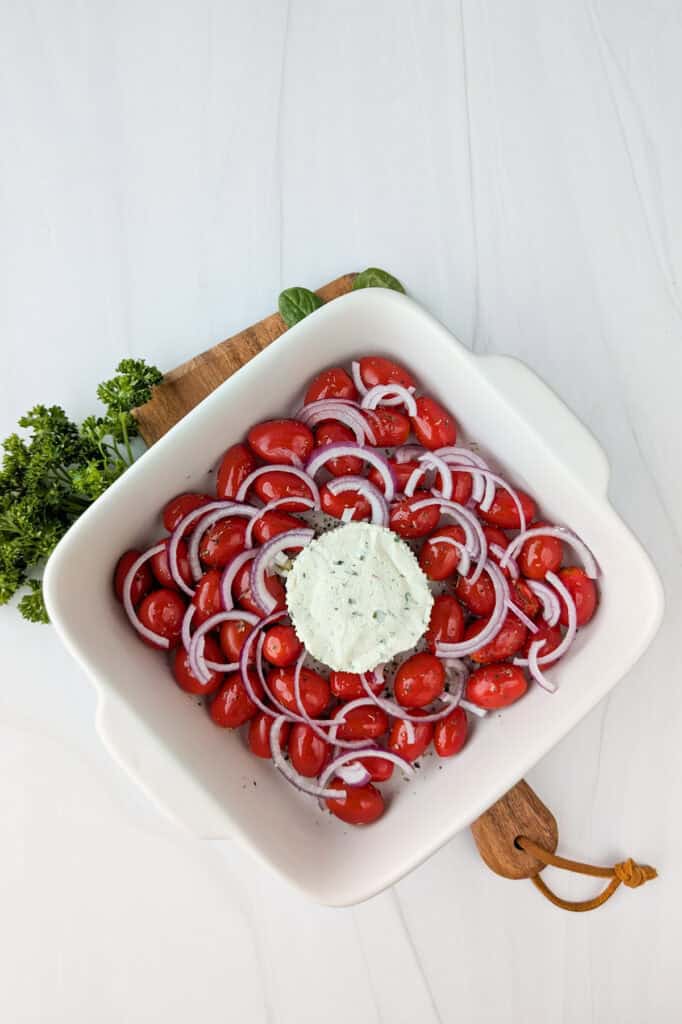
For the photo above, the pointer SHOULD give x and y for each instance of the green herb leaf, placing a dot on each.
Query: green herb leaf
(297, 303)
(375, 277)
(32, 605)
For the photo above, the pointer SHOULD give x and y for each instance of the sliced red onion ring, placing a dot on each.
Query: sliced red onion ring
(228, 576)
(476, 543)
(341, 410)
(385, 394)
(551, 605)
(148, 634)
(511, 565)
(354, 774)
(464, 564)
(535, 669)
(363, 486)
(231, 509)
(290, 773)
(335, 451)
(255, 634)
(308, 504)
(409, 453)
(339, 719)
(197, 662)
(428, 462)
(473, 708)
(562, 533)
(279, 467)
(493, 625)
(455, 455)
(489, 495)
(351, 755)
(571, 629)
(395, 710)
(178, 534)
(522, 617)
(266, 554)
(357, 378)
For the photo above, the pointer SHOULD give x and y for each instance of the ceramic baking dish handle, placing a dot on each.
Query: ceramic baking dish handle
(157, 771)
(547, 415)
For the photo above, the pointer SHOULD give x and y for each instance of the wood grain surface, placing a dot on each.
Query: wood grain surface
(188, 384)
(520, 812)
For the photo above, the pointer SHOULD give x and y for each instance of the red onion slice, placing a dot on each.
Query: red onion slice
(430, 461)
(231, 509)
(476, 543)
(229, 573)
(148, 634)
(473, 708)
(279, 467)
(522, 617)
(491, 628)
(455, 455)
(562, 533)
(178, 534)
(266, 554)
(464, 564)
(551, 605)
(510, 564)
(275, 503)
(198, 663)
(341, 410)
(395, 710)
(290, 773)
(354, 774)
(535, 670)
(571, 629)
(335, 451)
(353, 755)
(357, 378)
(386, 394)
(363, 486)
(409, 453)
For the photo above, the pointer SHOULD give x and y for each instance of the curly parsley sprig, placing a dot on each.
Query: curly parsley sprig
(51, 473)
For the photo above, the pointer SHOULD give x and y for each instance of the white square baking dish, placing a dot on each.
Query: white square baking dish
(205, 777)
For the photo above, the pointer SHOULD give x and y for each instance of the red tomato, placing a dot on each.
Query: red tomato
(274, 523)
(281, 441)
(402, 471)
(241, 591)
(433, 425)
(363, 723)
(540, 555)
(233, 634)
(496, 686)
(398, 740)
(338, 433)
(446, 624)
(331, 383)
(347, 686)
(232, 706)
(439, 561)
(161, 569)
(335, 504)
(259, 735)
(186, 679)
(237, 463)
(309, 754)
(143, 581)
(507, 643)
(583, 591)
(314, 690)
(419, 680)
(362, 806)
(222, 541)
(524, 598)
(391, 428)
(380, 770)
(277, 484)
(282, 647)
(207, 598)
(494, 535)
(162, 611)
(478, 597)
(552, 636)
(462, 486)
(379, 370)
(178, 507)
(503, 511)
(450, 733)
(406, 523)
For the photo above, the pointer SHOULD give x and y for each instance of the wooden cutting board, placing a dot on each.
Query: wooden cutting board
(188, 384)
(520, 811)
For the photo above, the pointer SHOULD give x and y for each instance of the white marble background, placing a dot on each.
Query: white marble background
(165, 168)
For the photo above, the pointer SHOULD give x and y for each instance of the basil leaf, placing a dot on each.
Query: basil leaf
(297, 303)
(375, 277)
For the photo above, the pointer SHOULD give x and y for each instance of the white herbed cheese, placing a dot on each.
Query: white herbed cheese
(357, 597)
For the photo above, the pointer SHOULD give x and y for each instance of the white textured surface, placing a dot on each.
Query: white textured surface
(165, 170)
